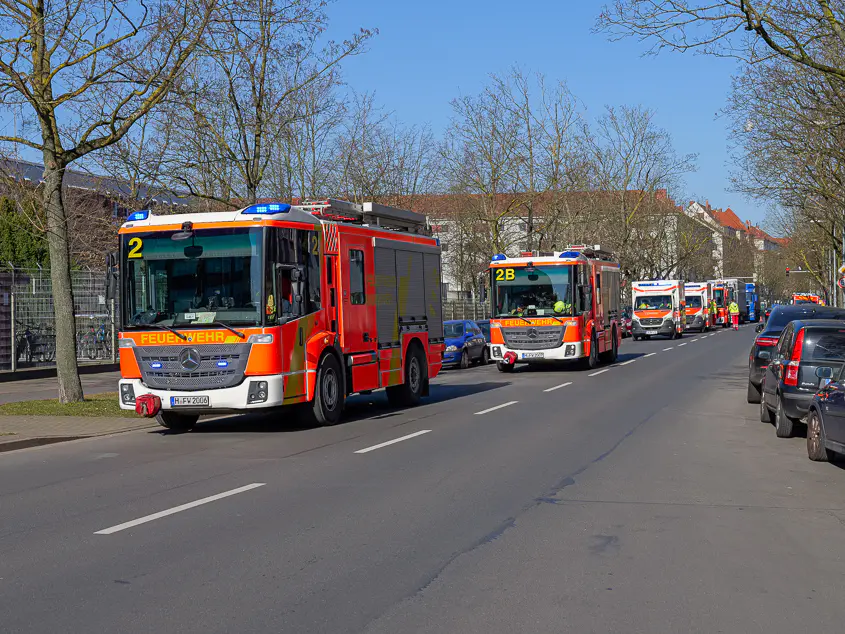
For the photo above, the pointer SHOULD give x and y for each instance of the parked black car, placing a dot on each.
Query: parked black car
(826, 418)
(769, 333)
(792, 377)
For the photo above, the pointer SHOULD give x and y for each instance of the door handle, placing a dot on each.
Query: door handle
(366, 337)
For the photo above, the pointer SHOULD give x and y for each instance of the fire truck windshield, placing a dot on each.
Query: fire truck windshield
(215, 275)
(719, 297)
(533, 292)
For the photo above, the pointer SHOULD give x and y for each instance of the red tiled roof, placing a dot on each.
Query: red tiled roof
(729, 219)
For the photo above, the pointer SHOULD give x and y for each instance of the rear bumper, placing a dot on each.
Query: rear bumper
(229, 399)
(796, 404)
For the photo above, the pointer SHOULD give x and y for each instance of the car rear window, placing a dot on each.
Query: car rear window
(779, 318)
(825, 345)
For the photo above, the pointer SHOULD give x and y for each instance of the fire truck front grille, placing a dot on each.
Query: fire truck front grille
(653, 321)
(191, 368)
(533, 338)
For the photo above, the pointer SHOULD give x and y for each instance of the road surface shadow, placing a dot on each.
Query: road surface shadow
(363, 406)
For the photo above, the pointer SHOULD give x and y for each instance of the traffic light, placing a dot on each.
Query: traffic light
(787, 271)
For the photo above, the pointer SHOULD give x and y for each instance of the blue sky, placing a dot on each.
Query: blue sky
(429, 52)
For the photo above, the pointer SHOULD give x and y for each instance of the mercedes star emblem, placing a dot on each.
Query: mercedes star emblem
(190, 359)
(532, 333)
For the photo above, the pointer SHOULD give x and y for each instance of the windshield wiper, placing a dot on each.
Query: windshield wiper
(173, 330)
(229, 328)
(563, 323)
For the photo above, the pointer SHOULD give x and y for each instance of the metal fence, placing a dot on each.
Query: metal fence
(27, 328)
(465, 309)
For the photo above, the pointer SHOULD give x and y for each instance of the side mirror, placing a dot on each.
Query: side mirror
(824, 373)
(764, 354)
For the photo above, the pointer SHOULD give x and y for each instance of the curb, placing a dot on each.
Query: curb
(26, 443)
(25, 374)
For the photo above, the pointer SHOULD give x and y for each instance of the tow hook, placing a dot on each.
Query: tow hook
(509, 358)
(147, 405)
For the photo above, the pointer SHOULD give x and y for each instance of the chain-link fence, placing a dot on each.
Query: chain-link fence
(465, 309)
(27, 328)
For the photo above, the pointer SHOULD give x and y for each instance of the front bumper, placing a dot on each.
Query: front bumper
(227, 399)
(667, 328)
(452, 358)
(568, 351)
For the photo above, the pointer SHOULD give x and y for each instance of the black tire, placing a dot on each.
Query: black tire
(765, 412)
(329, 393)
(464, 363)
(416, 374)
(485, 356)
(816, 451)
(636, 337)
(177, 422)
(611, 355)
(592, 361)
(753, 393)
(647, 337)
(784, 425)
(507, 368)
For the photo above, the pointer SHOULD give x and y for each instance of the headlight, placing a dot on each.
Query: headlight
(268, 338)
(451, 348)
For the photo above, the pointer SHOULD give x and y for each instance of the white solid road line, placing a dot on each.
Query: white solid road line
(393, 442)
(493, 409)
(557, 387)
(179, 509)
(599, 372)
(650, 354)
(627, 362)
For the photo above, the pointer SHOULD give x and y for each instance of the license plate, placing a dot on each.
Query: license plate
(189, 401)
(651, 332)
(532, 355)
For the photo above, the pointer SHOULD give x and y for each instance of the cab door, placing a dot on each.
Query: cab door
(357, 304)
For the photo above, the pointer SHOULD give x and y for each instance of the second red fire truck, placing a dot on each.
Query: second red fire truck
(560, 306)
(277, 305)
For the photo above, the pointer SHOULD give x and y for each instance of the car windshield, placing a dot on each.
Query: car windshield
(653, 302)
(533, 292)
(485, 328)
(213, 275)
(693, 301)
(453, 330)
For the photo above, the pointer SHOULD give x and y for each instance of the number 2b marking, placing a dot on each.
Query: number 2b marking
(505, 275)
(135, 250)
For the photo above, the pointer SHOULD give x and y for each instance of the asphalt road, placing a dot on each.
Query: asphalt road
(645, 498)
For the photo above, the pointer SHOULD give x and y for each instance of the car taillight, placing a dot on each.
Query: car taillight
(766, 341)
(791, 377)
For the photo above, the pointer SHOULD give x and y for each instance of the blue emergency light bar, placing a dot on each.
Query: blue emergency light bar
(499, 257)
(266, 209)
(569, 254)
(135, 216)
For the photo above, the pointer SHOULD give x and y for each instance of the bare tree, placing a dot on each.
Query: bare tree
(238, 99)
(806, 32)
(86, 72)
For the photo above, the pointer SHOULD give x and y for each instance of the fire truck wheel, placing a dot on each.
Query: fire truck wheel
(328, 393)
(416, 371)
(505, 367)
(592, 361)
(177, 422)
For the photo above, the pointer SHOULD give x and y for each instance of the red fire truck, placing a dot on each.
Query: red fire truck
(277, 305)
(555, 307)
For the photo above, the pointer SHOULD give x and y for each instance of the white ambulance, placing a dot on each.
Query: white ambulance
(659, 309)
(698, 296)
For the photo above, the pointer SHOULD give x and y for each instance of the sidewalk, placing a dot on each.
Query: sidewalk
(18, 432)
(44, 388)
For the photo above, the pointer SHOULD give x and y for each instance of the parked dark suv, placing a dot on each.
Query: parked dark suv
(793, 377)
(826, 418)
(768, 338)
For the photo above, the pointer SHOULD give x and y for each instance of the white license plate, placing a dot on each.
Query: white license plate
(651, 332)
(533, 355)
(189, 401)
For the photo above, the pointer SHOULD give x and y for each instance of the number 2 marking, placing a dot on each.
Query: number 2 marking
(135, 251)
(503, 275)
(314, 245)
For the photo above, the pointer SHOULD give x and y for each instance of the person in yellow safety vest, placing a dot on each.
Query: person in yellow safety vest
(733, 309)
(562, 307)
(643, 305)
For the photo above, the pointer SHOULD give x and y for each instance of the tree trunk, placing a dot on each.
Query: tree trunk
(70, 387)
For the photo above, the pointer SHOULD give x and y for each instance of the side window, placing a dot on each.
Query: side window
(282, 302)
(309, 258)
(357, 289)
(785, 338)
